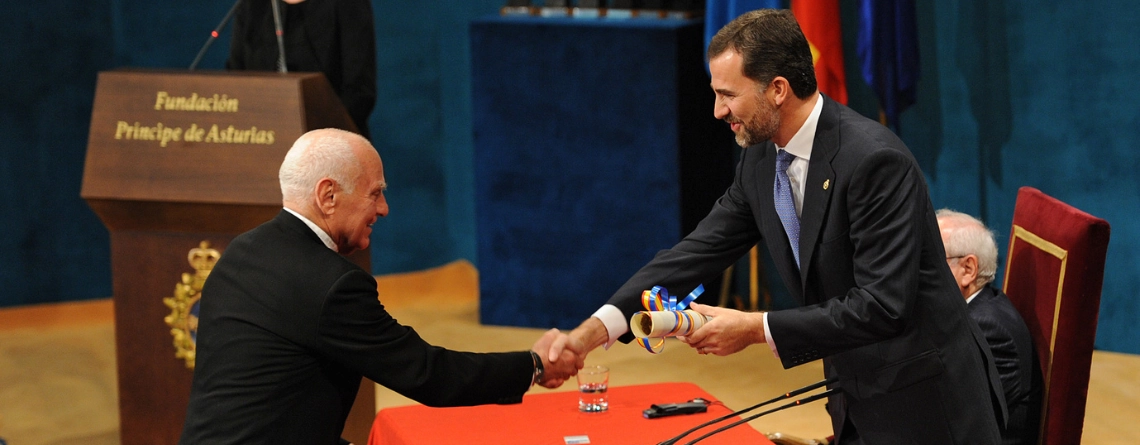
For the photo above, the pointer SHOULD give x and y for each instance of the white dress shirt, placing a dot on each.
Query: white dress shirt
(968, 300)
(325, 238)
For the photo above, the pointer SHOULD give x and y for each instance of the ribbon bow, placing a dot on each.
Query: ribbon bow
(664, 309)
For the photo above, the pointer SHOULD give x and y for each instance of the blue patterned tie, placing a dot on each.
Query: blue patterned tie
(785, 202)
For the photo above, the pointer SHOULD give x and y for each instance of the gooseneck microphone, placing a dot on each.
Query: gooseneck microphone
(799, 402)
(214, 35)
(785, 396)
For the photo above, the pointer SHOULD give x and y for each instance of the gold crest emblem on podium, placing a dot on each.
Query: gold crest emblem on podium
(183, 318)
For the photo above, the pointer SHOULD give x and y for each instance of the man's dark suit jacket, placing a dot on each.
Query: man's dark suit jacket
(341, 37)
(1016, 361)
(286, 329)
(879, 305)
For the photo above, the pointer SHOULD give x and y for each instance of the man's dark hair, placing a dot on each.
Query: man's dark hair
(771, 44)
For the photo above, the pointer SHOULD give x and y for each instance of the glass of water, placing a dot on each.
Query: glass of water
(593, 387)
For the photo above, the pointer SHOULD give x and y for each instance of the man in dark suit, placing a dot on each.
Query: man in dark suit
(972, 256)
(848, 220)
(288, 325)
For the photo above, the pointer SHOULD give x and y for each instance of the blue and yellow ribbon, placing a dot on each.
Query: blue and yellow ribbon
(658, 299)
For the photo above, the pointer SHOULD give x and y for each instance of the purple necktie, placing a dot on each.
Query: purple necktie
(785, 202)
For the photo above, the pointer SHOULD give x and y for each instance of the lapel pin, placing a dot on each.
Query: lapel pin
(826, 183)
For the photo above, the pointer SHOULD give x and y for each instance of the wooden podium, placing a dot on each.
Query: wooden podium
(173, 159)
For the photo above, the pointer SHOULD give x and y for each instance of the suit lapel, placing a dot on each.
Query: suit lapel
(772, 229)
(819, 184)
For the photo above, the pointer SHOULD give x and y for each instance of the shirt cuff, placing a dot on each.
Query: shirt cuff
(768, 337)
(614, 322)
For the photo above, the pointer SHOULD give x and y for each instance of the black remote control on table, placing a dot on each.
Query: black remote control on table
(673, 409)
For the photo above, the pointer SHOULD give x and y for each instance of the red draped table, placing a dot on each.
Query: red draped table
(553, 418)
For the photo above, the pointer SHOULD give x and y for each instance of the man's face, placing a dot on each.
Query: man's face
(742, 102)
(357, 211)
(961, 277)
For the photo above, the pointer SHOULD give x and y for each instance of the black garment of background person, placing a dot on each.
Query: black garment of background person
(334, 37)
(1016, 362)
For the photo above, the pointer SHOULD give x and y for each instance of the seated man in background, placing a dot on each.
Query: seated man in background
(972, 255)
(288, 325)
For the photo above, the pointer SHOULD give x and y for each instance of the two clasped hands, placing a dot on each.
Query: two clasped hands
(728, 332)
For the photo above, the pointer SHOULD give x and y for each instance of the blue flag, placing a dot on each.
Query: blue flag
(719, 12)
(888, 48)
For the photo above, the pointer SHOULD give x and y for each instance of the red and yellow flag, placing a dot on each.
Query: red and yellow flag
(819, 19)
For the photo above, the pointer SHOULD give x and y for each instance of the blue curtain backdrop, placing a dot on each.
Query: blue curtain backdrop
(1012, 93)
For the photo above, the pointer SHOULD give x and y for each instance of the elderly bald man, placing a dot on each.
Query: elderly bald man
(971, 254)
(288, 325)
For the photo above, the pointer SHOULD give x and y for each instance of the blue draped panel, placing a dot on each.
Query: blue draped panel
(580, 130)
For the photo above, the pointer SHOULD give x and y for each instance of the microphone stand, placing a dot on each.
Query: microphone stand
(785, 396)
(802, 401)
(214, 35)
(280, 38)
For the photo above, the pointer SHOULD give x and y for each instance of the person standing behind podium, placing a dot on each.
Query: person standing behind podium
(843, 209)
(971, 254)
(288, 325)
(334, 37)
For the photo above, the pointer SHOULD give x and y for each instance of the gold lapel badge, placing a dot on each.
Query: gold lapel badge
(826, 183)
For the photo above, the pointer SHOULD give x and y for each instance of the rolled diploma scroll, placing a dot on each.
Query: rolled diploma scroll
(661, 324)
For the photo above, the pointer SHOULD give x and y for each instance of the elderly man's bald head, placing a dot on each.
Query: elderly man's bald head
(971, 245)
(318, 154)
(335, 180)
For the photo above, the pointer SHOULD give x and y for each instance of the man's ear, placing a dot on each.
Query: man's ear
(327, 192)
(969, 264)
(780, 88)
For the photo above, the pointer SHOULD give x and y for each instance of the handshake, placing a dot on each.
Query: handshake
(723, 332)
(561, 357)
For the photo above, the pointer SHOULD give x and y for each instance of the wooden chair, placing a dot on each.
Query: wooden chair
(1053, 276)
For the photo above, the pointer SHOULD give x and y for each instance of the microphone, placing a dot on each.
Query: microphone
(214, 35)
(280, 38)
(785, 396)
(799, 402)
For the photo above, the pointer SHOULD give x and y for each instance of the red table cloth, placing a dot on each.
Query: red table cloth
(553, 418)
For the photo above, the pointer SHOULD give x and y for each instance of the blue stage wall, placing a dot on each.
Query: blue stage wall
(594, 148)
(1041, 94)
(1013, 93)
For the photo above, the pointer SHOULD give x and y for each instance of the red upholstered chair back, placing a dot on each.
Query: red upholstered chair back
(1053, 277)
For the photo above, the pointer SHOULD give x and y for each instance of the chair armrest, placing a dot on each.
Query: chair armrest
(787, 439)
